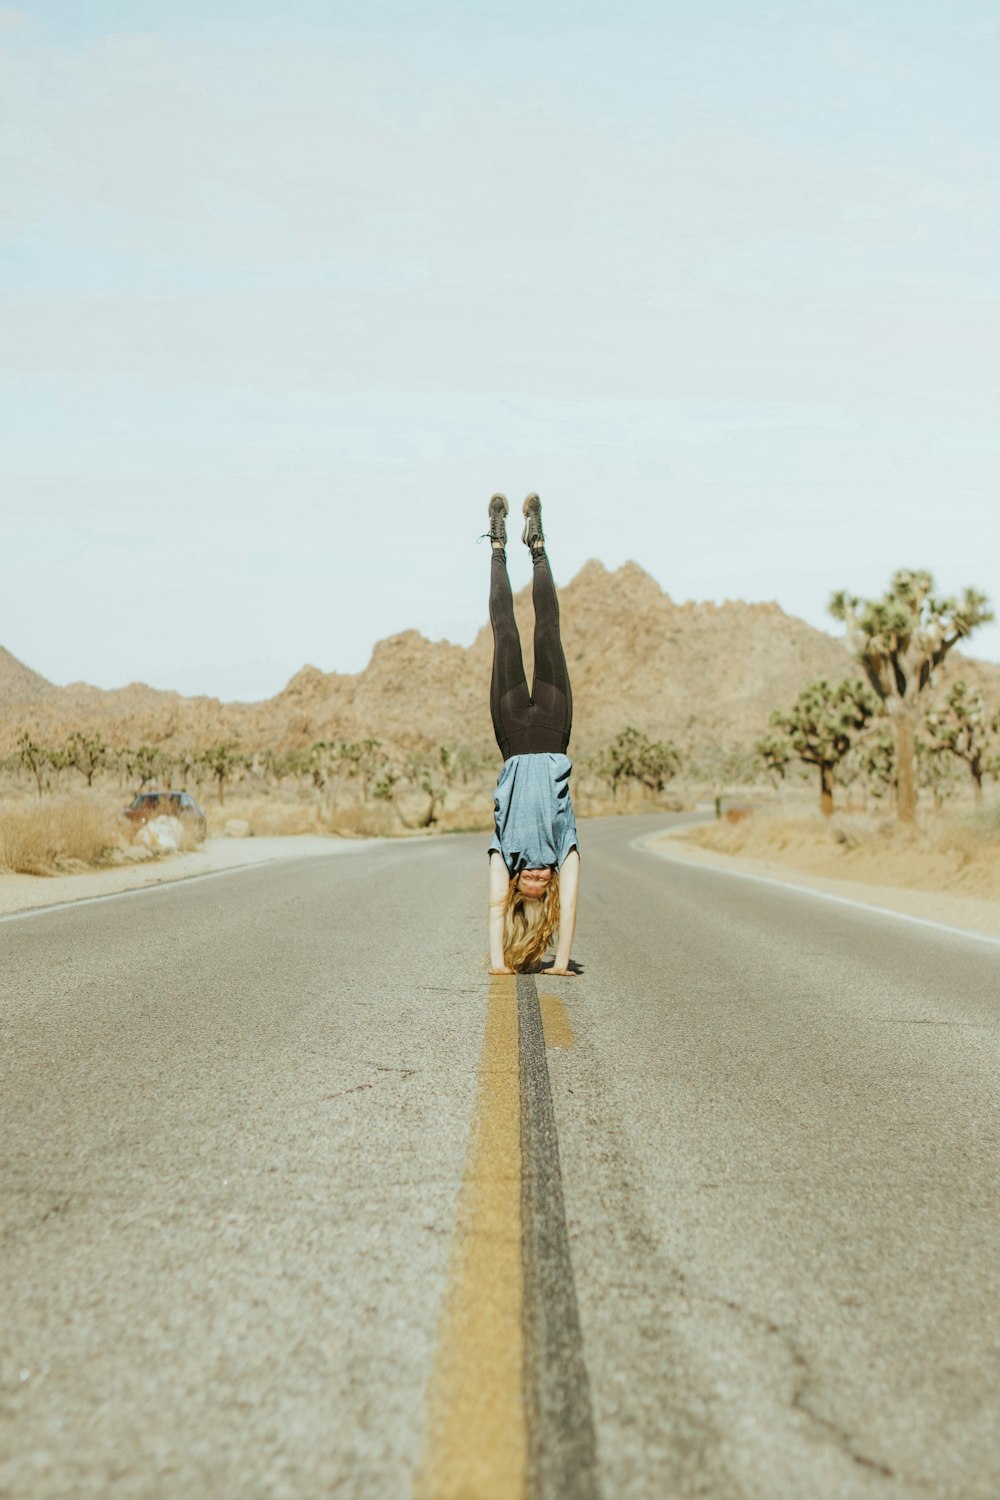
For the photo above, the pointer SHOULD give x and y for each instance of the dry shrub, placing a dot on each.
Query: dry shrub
(959, 853)
(55, 834)
(466, 817)
(363, 820)
(281, 817)
(269, 817)
(765, 831)
(971, 837)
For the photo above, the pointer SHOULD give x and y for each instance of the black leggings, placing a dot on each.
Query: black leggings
(540, 721)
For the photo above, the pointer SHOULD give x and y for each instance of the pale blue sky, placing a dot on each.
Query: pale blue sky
(285, 294)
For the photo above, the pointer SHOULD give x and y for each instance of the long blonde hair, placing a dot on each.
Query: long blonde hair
(528, 924)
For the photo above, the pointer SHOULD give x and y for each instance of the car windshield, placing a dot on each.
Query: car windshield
(179, 801)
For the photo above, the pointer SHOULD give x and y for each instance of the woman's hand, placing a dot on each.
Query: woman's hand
(566, 973)
(569, 886)
(498, 890)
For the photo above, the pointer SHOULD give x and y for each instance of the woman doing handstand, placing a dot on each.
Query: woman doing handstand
(534, 859)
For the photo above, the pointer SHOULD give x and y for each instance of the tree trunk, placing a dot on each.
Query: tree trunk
(906, 790)
(826, 790)
(977, 784)
(402, 816)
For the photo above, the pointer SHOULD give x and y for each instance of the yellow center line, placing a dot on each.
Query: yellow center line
(477, 1440)
(556, 1027)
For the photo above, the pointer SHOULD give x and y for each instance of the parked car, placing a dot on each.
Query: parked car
(147, 805)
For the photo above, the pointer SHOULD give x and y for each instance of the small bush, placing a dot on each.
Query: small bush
(973, 836)
(268, 816)
(43, 837)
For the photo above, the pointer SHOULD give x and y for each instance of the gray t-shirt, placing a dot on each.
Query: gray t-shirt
(533, 813)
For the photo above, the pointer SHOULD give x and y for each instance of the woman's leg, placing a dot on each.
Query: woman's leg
(550, 658)
(551, 693)
(509, 699)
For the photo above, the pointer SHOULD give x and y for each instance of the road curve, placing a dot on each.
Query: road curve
(279, 1160)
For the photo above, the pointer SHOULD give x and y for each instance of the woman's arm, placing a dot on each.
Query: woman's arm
(569, 886)
(499, 887)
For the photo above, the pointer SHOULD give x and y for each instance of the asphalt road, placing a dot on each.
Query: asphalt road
(297, 1202)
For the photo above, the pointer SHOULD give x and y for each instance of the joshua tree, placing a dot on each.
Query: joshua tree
(936, 772)
(822, 726)
(633, 756)
(659, 760)
(319, 763)
(900, 640)
(436, 774)
(86, 753)
(877, 754)
(34, 758)
(188, 765)
(470, 764)
(963, 727)
(772, 754)
(147, 762)
(222, 761)
(271, 765)
(363, 760)
(432, 771)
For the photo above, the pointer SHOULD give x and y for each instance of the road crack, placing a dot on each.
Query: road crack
(805, 1377)
(355, 1090)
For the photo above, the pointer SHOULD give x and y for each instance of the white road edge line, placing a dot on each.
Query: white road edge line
(147, 890)
(645, 840)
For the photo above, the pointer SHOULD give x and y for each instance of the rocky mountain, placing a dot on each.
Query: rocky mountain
(701, 674)
(19, 684)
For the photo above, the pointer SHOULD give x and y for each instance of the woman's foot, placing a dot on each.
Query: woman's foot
(532, 535)
(498, 509)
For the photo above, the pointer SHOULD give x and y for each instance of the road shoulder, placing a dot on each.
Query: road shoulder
(19, 893)
(946, 908)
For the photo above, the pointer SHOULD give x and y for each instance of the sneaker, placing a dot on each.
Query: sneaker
(532, 532)
(498, 509)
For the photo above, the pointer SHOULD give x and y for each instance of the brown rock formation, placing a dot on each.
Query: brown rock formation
(701, 674)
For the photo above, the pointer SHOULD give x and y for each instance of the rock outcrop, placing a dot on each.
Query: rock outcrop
(701, 674)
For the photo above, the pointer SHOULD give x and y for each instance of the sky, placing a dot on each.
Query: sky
(287, 292)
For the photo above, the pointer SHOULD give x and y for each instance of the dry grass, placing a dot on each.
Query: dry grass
(283, 816)
(54, 835)
(769, 831)
(284, 812)
(954, 851)
(267, 816)
(971, 836)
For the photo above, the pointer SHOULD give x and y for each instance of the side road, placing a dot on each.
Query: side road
(27, 892)
(966, 913)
